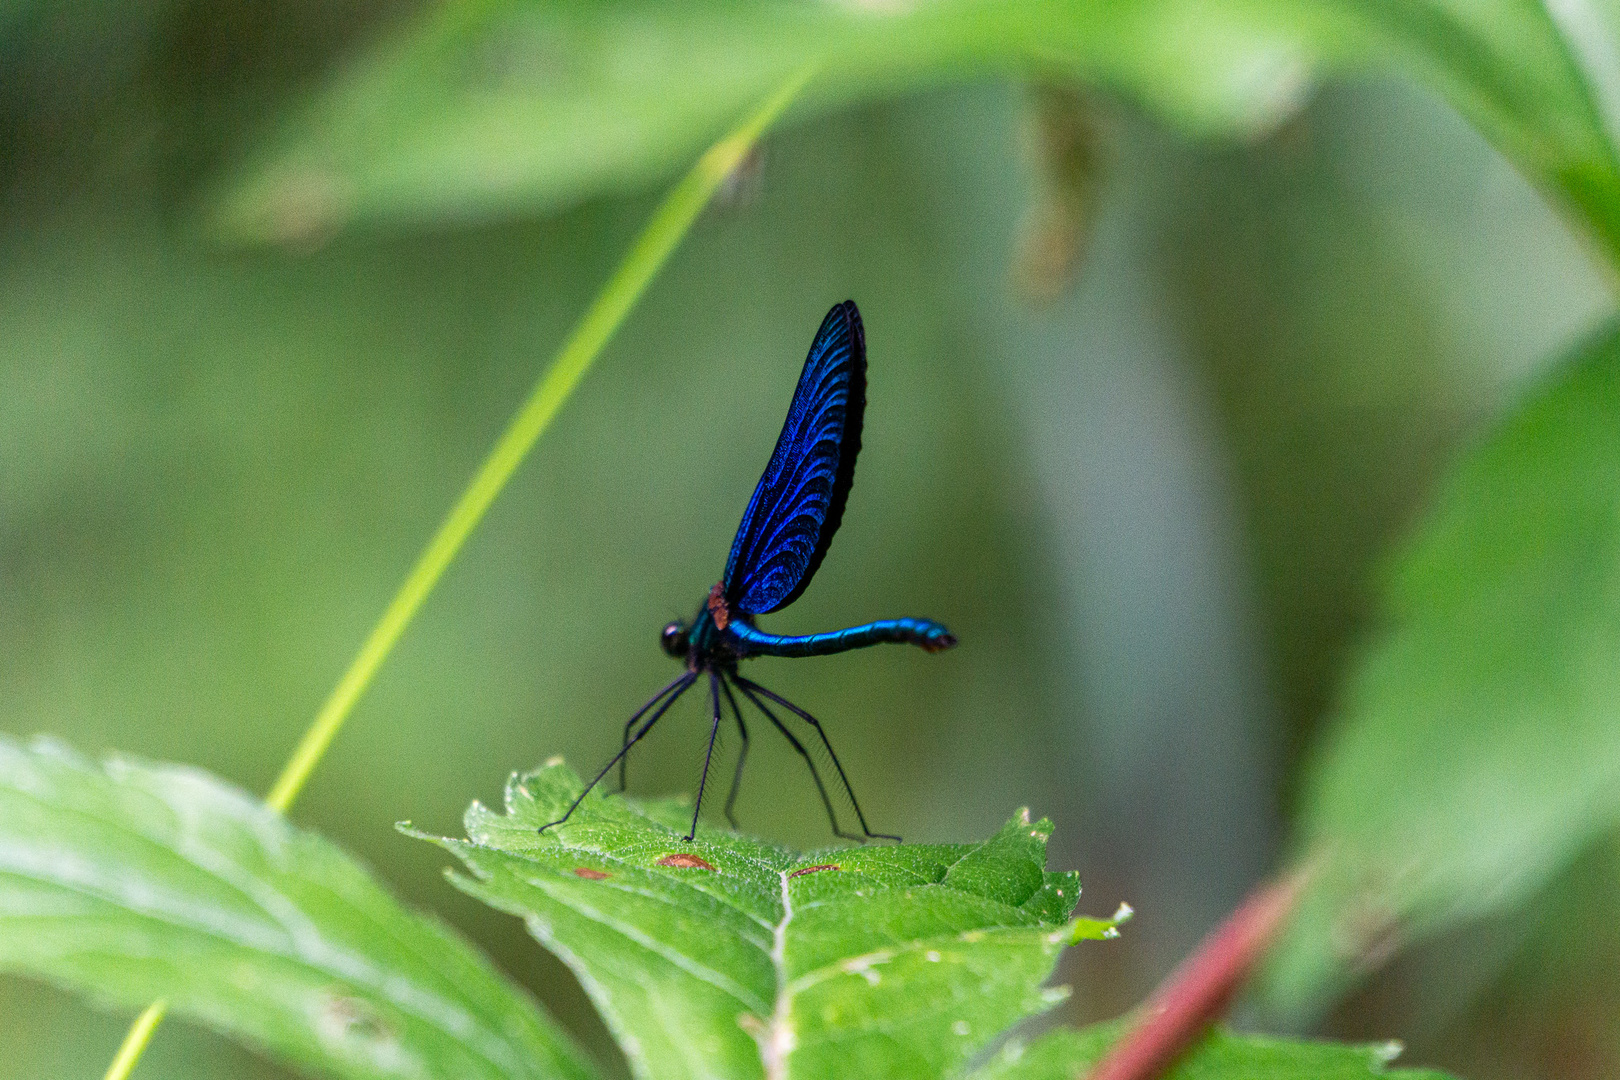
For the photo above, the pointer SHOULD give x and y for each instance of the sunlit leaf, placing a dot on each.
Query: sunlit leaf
(134, 881)
(521, 105)
(728, 957)
(1066, 1053)
(1477, 749)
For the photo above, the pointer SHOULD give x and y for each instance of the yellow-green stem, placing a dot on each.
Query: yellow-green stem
(140, 1033)
(669, 224)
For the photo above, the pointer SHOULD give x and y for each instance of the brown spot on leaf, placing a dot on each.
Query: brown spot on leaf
(685, 861)
(587, 872)
(813, 869)
(351, 1019)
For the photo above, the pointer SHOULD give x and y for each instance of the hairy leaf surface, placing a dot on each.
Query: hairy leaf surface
(725, 956)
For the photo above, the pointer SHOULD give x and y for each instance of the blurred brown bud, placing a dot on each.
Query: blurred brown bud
(1064, 141)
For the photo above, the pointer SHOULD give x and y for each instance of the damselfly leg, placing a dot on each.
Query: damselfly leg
(623, 758)
(668, 696)
(751, 689)
(742, 754)
(708, 756)
(810, 762)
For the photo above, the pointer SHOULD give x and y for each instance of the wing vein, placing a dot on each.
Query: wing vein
(799, 502)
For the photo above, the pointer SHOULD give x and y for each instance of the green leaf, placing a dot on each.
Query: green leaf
(1477, 746)
(492, 108)
(520, 106)
(1067, 1053)
(1540, 80)
(135, 881)
(728, 957)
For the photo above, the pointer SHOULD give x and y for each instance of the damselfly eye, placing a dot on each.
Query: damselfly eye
(674, 640)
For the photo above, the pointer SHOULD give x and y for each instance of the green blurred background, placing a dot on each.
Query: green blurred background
(1150, 496)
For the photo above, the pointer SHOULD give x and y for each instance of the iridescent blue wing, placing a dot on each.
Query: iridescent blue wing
(799, 502)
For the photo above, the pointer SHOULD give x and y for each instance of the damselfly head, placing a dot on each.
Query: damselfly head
(675, 640)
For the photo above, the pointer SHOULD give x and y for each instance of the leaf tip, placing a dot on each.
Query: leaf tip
(1088, 929)
(1385, 1053)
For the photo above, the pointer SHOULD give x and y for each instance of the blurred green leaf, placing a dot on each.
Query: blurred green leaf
(1540, 80)
(1066, 1053)
(725, 956)
(519, 105)
(490, 108)
(135, 881)
(1478, 741)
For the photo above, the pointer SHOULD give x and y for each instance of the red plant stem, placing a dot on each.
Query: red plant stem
(1199, 991)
